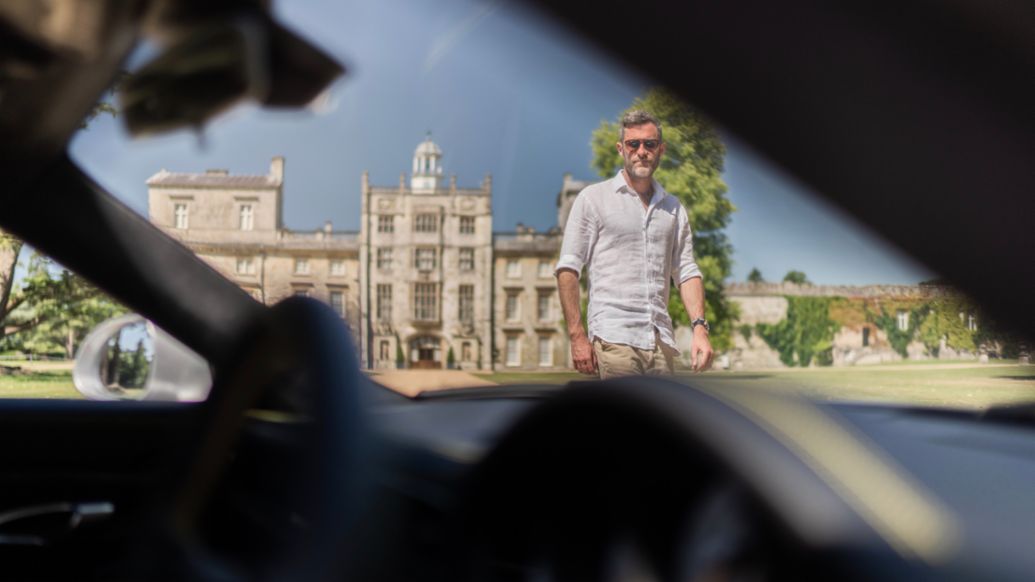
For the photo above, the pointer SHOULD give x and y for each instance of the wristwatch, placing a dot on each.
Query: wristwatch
(700, 321)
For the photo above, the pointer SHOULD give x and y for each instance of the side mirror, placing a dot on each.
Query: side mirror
(129, 358)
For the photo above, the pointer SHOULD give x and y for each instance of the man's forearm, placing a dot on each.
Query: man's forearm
(568, 289)
(691, 292)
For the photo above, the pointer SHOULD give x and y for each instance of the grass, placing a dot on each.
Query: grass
(957, 385)
(961, 385)
(48, 379)
(972, 386)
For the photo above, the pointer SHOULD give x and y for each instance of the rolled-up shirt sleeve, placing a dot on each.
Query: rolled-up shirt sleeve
(580, 234)
(684, 267)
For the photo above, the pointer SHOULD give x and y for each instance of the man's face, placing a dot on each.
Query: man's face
(641, 161)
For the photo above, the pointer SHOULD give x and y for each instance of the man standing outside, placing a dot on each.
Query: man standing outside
(633, 238)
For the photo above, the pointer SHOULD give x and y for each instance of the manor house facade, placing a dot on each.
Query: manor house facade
(424, 283)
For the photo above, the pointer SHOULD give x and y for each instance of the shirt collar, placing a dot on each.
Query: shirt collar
(619, 185)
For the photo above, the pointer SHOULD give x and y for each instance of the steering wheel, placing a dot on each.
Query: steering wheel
(289, 399)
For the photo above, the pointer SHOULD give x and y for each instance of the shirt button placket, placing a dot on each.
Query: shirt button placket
(649, 332)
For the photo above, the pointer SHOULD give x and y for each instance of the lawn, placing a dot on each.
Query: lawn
(965, 385)
(960, 385)
(48, 379)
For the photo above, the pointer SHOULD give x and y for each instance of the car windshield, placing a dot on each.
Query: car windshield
(427, 196)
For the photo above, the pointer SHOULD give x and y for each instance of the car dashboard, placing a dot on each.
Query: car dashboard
(596, 482)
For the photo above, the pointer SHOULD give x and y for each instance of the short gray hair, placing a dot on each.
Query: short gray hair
(638, 117)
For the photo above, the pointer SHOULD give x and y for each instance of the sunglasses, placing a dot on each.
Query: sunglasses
(650, 144)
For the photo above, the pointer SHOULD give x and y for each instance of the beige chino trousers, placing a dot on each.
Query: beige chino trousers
(614, 360)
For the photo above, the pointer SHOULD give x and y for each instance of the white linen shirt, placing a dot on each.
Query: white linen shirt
(631, 254)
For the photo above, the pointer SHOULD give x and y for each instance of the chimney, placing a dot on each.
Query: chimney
(277, 169)
(328, 227)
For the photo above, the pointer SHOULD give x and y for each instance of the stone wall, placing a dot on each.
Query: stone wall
(858, 345)
(858, 291)
(760, 309)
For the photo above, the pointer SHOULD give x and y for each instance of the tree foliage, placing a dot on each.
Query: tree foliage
(133, 368)
(125, 369)
(755, 276)
(10, 250)
(692, 171)
(806, 334)
(51, 309)
(796, 277)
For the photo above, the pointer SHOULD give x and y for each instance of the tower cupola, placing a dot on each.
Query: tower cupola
(427, 167)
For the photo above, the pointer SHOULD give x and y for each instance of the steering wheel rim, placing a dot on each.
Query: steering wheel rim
(304, 340)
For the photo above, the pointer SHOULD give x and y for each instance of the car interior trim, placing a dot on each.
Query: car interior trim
(912, 520)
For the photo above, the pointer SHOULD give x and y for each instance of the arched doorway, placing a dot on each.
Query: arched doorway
(425, 352)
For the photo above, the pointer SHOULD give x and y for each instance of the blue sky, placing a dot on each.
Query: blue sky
(502, 92)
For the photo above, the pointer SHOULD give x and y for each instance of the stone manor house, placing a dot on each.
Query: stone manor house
(424, 283)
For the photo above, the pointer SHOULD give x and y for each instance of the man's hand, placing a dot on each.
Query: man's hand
(582, 355)
(701, 353)
(691, 292)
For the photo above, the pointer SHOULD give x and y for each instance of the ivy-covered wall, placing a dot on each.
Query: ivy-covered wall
(806, 334)
(819, 329)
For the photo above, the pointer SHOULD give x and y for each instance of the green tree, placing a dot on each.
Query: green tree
(10, 250)
(52, 309)
(755, 276)
(692, 171)
(112, 363)
(796, 277)
(136, 367)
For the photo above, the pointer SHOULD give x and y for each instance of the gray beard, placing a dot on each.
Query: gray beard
(635, 170)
